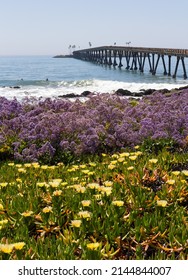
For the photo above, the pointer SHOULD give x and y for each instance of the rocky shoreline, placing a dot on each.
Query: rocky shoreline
(125, 92)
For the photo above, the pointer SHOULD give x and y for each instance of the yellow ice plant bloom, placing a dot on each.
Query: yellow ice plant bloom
(153, 160)
(185, 172)
(47, 209)
(90, 173)
(80, 189)
(138, 153)
(104, 155)
(55, 183)
(27, 213)
(84, 214)
(93, 185)
(176, 172)
(115, 156)
(137, 147)
(18, 165)
(170, 182)
(133, 158)
(76, 223)
(85, 171)
(118, 203)
(125, 154)
(6, 248)
(106, 190)
(44, 167)
(108, 183)
(57, 193)
(130, 168)
(162, 203)
(93, 164)
(111, 166)
(21, 170)
(1, 207)
(27, 165)
(93, 246)
(121, 159)
(82, 166)
(97, 196)
(19, 245)
(11, 164)
(113, 162)
(42, 184)
(86, 203)
(4, 222)
(3, 184)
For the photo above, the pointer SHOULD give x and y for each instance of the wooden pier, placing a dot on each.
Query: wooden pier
(136, 58)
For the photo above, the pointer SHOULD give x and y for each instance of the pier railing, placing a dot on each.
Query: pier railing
(136, 57)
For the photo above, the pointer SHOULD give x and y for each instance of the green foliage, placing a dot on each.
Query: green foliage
(128, 205)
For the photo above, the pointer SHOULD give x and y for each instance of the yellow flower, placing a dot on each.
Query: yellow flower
(18, 165)
(108, 183)
(125, 154)
(106, 190)
(130, 168)
(84, 214)
(137, 147)
(83, 166)
(27, 213)
(19, 245)
(133, 157)
(115, 156)
(55, 183)
(153, 160)
(1, 207)
(93, 246)
(93, 185)
(121, 159)
(97, 196)
(111, 166)
(4, 222)
(27, 164)
(93, 164)
(42, 184)
(176, 173)
(11, 164)
(44, 167)
(162, 203)
(170, 182)
(21, 170)
(86, 203)
(80, 189)
(185, 172)
(47, 209)
(85, 171)
(3, 185)
(113, 162)
(118, 203)
(76, 223)
(6, 248)
(57, 193)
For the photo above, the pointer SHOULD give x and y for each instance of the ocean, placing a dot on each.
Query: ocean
(45, 76)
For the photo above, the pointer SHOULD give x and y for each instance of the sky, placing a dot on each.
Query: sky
(49, 27)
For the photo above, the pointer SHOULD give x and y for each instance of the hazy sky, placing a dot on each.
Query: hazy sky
(31, 27)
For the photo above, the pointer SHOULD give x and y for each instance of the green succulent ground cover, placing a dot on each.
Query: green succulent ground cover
(128, 205)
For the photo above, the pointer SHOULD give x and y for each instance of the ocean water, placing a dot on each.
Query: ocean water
(43, 76)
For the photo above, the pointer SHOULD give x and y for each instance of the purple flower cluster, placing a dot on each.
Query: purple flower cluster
(49, 129)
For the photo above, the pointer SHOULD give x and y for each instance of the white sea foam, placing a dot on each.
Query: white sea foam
(57, 89)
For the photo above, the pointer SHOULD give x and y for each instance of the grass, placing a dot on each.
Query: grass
(130, 205)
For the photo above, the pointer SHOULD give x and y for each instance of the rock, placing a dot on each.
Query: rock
(123, 92)
(69, 95)
(86, 93)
